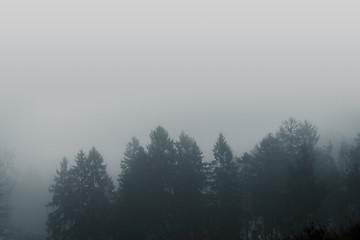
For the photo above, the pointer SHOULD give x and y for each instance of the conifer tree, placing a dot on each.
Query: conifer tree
(272, 176)
(286, 178)
(61, 218)
(350, 159)
(147, 188)
(305, 191)
(5, 191)
(247, 179)
(226, 190)
(162, 173)
(189, 185)
(133, 208)
(94, 190)
(81, 199)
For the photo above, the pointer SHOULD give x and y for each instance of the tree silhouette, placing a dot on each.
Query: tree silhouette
(350, 159)
(5, 190)
(189, 183)
(166, 191)
(133, 208)
(81, 199)
(61, 219)
(225, 188)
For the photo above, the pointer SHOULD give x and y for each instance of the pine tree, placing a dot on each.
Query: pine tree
(272, 175)
(226, 190)
(287, 180)
(247, 179)
(94, 190)
(305, 191)
(61, 218)
(147, 188)
(189, 185)
(350, 159)
(132, 205)
(81, 199)
(162, 173)
(5, 190)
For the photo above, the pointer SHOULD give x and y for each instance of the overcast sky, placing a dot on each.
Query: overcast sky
(80, 73)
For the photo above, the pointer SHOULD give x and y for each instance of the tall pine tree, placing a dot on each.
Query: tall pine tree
(189, 185)
(162, 173)
(225, 188)
(133, 207)
(61, 218)
(81, 199)
(350, 160)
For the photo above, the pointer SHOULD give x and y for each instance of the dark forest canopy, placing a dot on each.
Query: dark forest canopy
(167, 190)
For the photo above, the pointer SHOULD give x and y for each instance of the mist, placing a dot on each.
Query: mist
(77, 74)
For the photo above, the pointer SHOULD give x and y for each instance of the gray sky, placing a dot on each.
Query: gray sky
(80, 73)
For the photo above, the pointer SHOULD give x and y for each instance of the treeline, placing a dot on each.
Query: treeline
(5, 190)
(168, 191)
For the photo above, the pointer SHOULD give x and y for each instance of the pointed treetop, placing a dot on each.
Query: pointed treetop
(160, 141)
(222, 151)
(64, 164)
(94, 154)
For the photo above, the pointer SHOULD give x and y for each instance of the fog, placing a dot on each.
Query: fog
(76, 74)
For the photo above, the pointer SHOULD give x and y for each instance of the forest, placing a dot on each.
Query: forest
(179, 120)
(167, 190)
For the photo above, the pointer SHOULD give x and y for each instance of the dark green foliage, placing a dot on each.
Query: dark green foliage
(147, 187)
(94, 191)
(272, 176)
(5, 191)
(225, 190)
(160, 189)
(166, 191)
(286, 179)
(81, 199)
(189, 204)
(133, 208)
(350, 159)
(305, 192)
(161, 183)
(247, 180)
(60, 221)
(294, 135)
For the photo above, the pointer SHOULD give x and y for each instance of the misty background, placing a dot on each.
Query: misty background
(76, 74)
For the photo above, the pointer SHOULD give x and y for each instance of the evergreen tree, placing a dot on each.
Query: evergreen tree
(247, 177)
(162, 173)
(133, 207)
(5, 190)
(335, 202)
(305, 191)
(94, 191)
(167, 192)
(61, 218)
(226, 191)
(189, 206)
(147, 188)
(350, 159)
(80, 184)
(286, 178)
(101, 196)
(272, 176)
(81, 199)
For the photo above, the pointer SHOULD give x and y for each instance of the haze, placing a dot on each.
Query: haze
(76, 74)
